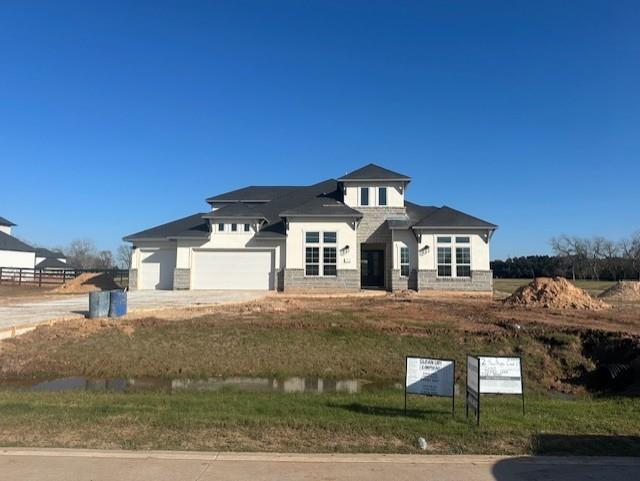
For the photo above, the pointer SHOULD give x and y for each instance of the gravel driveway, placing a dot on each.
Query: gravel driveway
(22, 311)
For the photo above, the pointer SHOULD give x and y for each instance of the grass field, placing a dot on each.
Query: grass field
(366, 422)
(592, 287)
(365, 338)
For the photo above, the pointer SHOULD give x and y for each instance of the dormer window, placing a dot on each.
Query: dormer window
(382, 196)
(364, 195)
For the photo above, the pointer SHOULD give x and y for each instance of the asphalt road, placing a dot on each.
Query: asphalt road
(80, 465)
(20, 311)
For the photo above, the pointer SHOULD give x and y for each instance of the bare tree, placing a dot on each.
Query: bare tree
(611, 254)
(630, 249)
(104, 260)
(123, 256)
(81, 254)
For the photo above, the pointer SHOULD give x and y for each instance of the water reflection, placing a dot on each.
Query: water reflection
(244, 384)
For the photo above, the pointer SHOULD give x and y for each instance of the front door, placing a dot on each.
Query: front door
(372, 268)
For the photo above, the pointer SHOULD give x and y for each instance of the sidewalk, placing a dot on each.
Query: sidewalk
(68, 464)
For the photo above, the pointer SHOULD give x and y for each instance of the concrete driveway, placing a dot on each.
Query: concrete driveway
(25, 312)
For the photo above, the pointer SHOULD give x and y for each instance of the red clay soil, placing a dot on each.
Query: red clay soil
(556, 293)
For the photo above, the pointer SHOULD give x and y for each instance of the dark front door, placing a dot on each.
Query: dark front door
(372, 268)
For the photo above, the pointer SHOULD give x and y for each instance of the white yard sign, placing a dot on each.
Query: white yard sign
(500, 375)
(430, 377)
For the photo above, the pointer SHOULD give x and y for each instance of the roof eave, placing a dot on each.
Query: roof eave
(398, 179)
(337, 216)
(444, 227)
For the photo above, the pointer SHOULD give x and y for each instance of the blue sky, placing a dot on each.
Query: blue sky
(118, 116)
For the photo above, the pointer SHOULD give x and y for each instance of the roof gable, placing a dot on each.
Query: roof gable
(10, 243)
(446, 217)
(6, 222)
(374, 172)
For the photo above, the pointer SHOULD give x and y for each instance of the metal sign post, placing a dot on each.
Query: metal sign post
(425, 376)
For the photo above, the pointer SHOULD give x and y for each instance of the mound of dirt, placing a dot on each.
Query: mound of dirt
(88, 282)
(557, 293)
(623, 291)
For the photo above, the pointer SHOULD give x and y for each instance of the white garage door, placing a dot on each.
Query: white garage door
(156, 269)
(245, 269)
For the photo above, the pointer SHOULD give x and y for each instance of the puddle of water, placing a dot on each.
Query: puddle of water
(243, 384)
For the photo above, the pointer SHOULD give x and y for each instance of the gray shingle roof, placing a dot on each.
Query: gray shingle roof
(254, 193)
(42, 252)
(191, 226)
(321, 207)
(10, 243)
(446, 217)
(51, 263)
(238, 210)
(373, 172)
(6, 222)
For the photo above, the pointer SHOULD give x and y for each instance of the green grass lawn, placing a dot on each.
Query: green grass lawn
(592, 287)
(365, 422)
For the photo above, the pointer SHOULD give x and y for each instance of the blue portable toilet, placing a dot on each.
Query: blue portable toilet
(118, 303)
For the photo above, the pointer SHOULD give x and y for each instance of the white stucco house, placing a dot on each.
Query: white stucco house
(16, 254)
(355, 232)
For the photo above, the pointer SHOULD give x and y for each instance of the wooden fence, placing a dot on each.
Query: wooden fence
(52, 277)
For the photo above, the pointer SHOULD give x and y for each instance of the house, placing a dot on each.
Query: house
(50, 260)
(354, 232)
(13, 252)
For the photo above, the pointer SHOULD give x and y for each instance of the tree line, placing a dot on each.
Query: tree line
(83, 254)
(596, 258)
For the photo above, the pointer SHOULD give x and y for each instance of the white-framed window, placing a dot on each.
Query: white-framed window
(404, 261)
(247, 227)
(364, 196)
(234, 227)
(221, 227)
(444, 261)
(454, 258)
(320, 253)
(382, 196)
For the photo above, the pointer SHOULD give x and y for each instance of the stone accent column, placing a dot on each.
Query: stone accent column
(181, 279)
(374, 230)
(133, 279)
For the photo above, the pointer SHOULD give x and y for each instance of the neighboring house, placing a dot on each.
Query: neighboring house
(355, 232)
(50, 260)
(14, 252)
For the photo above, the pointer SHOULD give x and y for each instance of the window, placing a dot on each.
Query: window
(463, 262)
(313, 252)
(382, 196)
(312, 261)
(329, 261)
(234, 227)
(220, 227)
(444, 261)
(461, 266)
(247, 227)
(364, 195)
(329, 237)
(404, 261)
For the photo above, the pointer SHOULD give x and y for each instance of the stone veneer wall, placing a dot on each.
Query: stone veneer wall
(479, 281)
(374, 230)
(345, 279)
(399, 283)
(181, 279)
(133, 279)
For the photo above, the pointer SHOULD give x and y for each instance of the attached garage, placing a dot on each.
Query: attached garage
(233, 269)
(156, 268)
